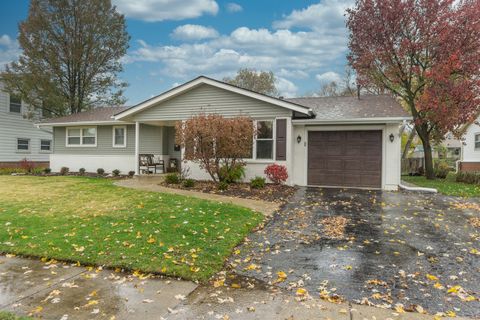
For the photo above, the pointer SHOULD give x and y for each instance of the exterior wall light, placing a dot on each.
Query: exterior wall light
(299, 139)
(392, 137)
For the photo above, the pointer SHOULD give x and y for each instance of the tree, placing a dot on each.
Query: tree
(71, 56)
(217, 144)
(258, 81)
(427, 52)
(339, 89)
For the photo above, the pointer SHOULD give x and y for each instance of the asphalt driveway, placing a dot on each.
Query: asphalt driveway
(406, 250)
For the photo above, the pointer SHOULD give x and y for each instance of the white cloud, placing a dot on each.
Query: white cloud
(286, 88)
(326, 17)
(161, 10)
(194, 32)
(233, 7)
(9, 50)
(328, 77)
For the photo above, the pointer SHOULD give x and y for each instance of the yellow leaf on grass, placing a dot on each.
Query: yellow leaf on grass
(151, 240)
(431, 277)
(194, 269)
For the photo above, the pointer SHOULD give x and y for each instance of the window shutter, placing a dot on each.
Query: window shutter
(281, 139)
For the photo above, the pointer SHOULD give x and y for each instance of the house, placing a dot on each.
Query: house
(470, 152)
(19, 137)
(337, 141)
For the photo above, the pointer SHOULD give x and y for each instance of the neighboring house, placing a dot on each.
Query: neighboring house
(470, 153)
(338, 141)
(19, 137)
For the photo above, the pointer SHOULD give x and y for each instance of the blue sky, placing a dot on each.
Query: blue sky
(303, 42)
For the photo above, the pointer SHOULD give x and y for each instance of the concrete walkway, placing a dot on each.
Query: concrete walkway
(53, 290)
(152, 184)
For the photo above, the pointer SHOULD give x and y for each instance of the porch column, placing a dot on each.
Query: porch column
(137, 148)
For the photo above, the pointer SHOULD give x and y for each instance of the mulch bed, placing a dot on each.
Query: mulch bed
(271, 192)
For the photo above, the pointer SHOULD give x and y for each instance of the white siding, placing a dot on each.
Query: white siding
(13, 126)
(209, 99)
(469, 154)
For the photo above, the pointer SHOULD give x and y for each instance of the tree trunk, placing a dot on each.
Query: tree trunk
(409, 142)
(427, 151)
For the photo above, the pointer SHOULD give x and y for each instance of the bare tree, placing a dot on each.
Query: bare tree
(258, 81)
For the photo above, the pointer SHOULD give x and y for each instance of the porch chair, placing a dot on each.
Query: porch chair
(147, 162)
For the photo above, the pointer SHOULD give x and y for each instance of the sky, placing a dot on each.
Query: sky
(173, 41)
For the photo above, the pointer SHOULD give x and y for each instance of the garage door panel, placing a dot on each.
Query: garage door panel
(345, 158)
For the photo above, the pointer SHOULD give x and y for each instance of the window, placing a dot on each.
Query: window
(23, 144)
(264, 140)
(119, 137)
(477, 141)
(15, 103)
(45, 145)
(82, 137)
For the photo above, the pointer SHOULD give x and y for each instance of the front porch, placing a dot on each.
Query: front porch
(155, 148)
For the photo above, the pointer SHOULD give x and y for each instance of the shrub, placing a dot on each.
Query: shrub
(442, 169)
(27, 165)
(276, 173)
(47, 170)
(257, 183)
(100, 171)
(11, 170)
(188, 183)
(81, 171)
(468, 177)
(232, 174)
(131, 173)
(115, 172)
(172, 178)
(222, 185)
(64, 171)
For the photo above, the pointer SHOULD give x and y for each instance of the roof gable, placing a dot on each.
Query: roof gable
(186, 87)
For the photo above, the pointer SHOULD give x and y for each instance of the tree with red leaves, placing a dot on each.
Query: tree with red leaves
(426, 52)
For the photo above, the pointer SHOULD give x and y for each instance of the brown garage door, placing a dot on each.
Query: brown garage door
(345, 158)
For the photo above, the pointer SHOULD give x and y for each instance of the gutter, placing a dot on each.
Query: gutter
(352, 120)
(417, 189)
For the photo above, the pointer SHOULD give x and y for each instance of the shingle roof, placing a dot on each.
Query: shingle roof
(97, 114)
(341, 108)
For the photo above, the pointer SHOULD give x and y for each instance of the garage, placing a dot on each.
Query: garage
(345, 158)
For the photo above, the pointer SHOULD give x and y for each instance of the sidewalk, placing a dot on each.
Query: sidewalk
(54, 290)
(152, 184)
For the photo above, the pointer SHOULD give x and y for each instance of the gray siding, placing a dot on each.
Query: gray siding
(13, 126)
(209, 99)
(171, 143)
(150, 141)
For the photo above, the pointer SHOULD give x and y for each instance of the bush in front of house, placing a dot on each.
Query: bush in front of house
(222, 186)
(276, 173)
(5, 171)
(64, 171)
(131, 173)
(257, 183)
(172, 178)
(442, 169)
(81, 171)
(100, 171)
(188, 183)
(27, 165)
(468, 177)
(47, 170)
(116, 172)
(232, 174)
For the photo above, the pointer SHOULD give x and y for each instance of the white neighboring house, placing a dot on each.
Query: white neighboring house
(333, 142)
(19, 137)
(470, 153)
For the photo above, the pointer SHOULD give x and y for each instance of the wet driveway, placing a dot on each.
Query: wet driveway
(401, 250)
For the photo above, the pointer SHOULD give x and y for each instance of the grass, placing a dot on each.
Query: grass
(446, 186)
(10, 316)
(93, 222)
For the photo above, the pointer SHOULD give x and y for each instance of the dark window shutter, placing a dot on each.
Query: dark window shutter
(281, 142)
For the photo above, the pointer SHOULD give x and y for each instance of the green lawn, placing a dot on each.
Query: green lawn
(446, 186)
(96, 223)
(10, 316)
